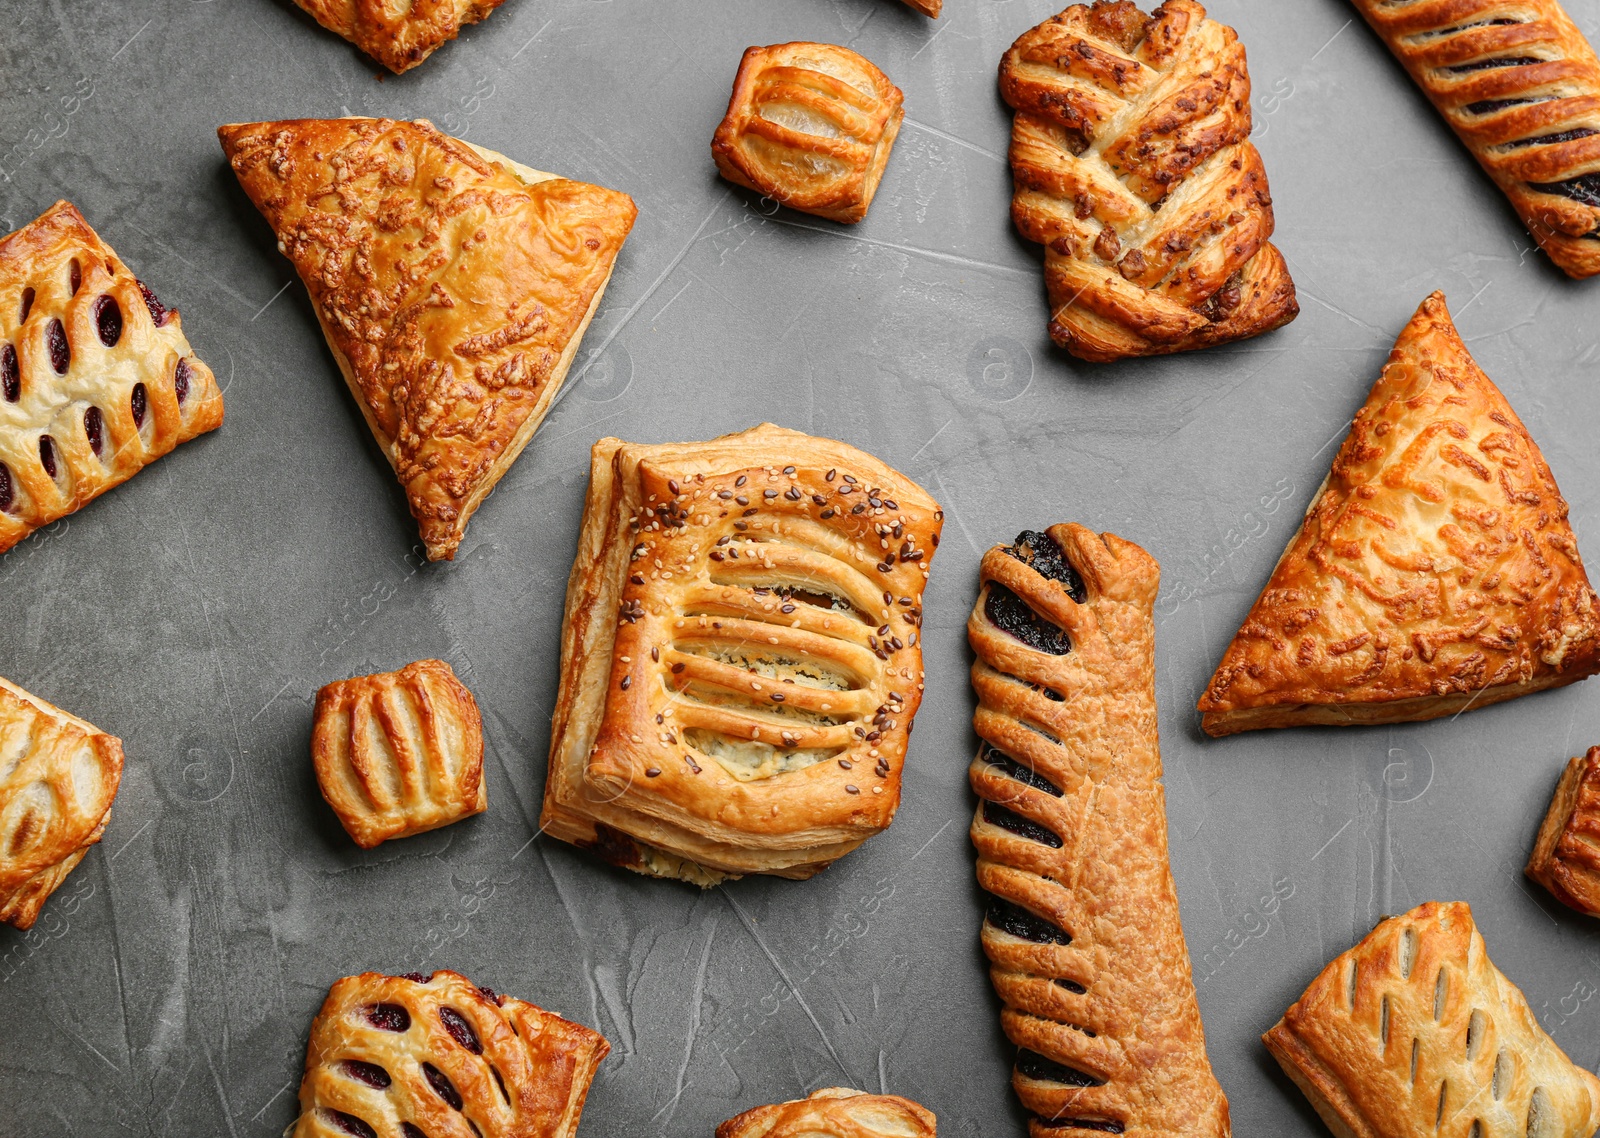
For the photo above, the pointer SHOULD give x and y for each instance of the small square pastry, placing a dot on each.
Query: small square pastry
(96, 378)
(436, 1056)
(740, 655)
(1566, 854)
(399, 36)
(809, 125)
(834, 1112)
(58, 776)
(1414, 1033)
(453, 286)
(399, 753)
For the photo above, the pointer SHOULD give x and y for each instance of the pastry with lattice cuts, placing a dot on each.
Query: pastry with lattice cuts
(1082, 931)
(834, 1112)
(58, 776)
(809, 125)
(453, 286)
(1435, 570)
(96, 378)
(403, 1056)
(399, 36)
(1414, 1032)
(1132, 163)
(1566, 854)
(1519, 85)
(399, 753)
(740, 655)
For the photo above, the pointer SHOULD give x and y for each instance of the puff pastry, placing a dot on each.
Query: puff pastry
(834, 1112)
(1519, 85)
(453, 286)
(809, 125)
(1566, 854)
(1132, 164)
(740, 655)
(58, 776)
(1435, 569)
(399, 1056)
(399, 36)
(1414, 1032)
(927, 7)
(399, 753)
(96, 378)
(1082, 931)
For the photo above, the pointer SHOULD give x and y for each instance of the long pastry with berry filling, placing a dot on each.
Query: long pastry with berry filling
(1566, 854)
(834, 1112)
(1082, 932)
(1520, 86)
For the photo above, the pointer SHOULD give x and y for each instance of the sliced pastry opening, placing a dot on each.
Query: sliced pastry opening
(1024, 923)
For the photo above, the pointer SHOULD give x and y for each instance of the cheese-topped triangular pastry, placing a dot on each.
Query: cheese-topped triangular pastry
(453, 286)
(1415, 1032)
(399, 36)
(1435, 570)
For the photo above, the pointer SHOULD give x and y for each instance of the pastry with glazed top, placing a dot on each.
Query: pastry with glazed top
(1133, 167)
(834, 1112)
(399, 753)
(1082, 930)
(927, 7)
(403, 1056)
(96, 378)
(399, 36)
(453, 286)
(1519, 85)
(809, 125)
(1566, 854)
(1435, 570)
(741, 655)
(1415, 1033)
(58, 776)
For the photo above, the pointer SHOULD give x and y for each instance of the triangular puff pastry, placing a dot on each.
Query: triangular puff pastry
(1435, 569)
(453, 286)
(1414, 1031)
(399, 36)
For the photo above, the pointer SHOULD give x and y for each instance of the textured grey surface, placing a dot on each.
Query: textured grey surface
(168, 987)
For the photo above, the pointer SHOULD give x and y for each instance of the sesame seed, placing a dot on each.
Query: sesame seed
(877, 790)
(655, 654)
(672, 484)
(777, 697)
(740, 481)
(652, 772)
(678, 667)
(826, 514)
(852, 790)
(789, 470)
(845, 764)
(627, 682)
(830, 475)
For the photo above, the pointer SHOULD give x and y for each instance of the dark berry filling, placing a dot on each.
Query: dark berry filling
(75, 276)
(47, 454)
(1036, 1066)
(10, 373)
(1552, 139)
(140, 402)
(415, 977)
(997, 815)
(158, 311)
(442, 1086)
(368, 1073)
(27, 305)
(1011, 614)
(411, 1131)
(492, 996)
(389, 1017)
(180, 384)
(7, 493)
(108, 320)
(94, 425)
(1585, 189)
(1040, 552)
(460, 1030)
(1486, 64)
(1101, 1125)
(1072, 986)
(1017, 921)
(1013, 769)
(350, 1124)
(60, 352)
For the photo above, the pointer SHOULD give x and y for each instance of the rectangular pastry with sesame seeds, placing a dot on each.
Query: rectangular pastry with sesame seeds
(740, 656)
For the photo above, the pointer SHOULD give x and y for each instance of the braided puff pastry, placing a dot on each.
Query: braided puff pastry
(740, 655)
(1520, 86)
(834, 1112)
(809, 125)
(1133, 167)
(1414, 1033)
(58, 776)
(399, 36)
(96, 378)
(399, 753)
(1566, 854)
(1435, 569)
(1084, 941)
(453, 286)
(402, 1056)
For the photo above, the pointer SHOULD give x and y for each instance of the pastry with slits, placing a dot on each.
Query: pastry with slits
(399, 753)
(809, 125)
(1566, 854)
(1082, 932)
(834, 1112)
(1520, 86)
(399, 36)
(740, 655)
(96, 378)
(58, 776)
(1133, 167)
(1414, 1033)
(419, 1056)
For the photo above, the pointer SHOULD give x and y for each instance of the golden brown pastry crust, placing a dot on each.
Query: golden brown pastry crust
(1083, 935)
(1566, 854)
(398, 36)
(714, 718)
(1435, 569)
(834, 1112)
(453, 287)
(438, 1054)
(399, 753)
(1133, 167)
(58, 776)
(1532, 124)
(927, 7)
(115, 407)
(809, 125)
(1414, 1033)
